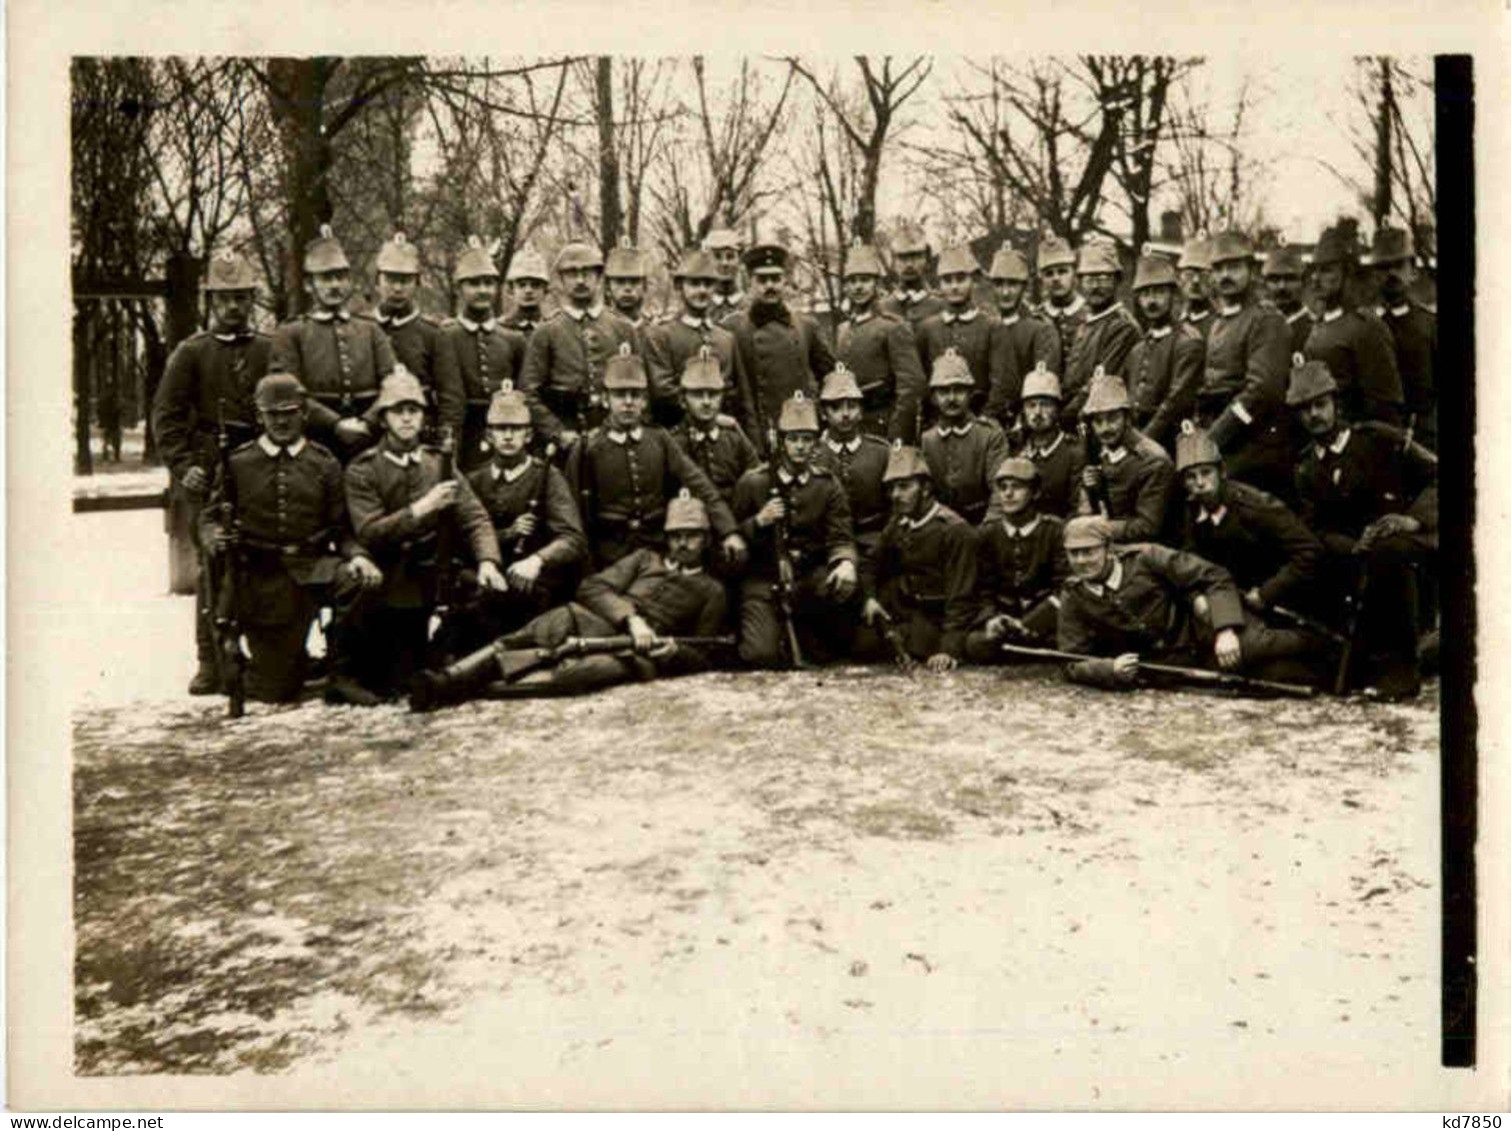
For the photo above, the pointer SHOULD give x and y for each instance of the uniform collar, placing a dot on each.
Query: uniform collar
(577, 315)
(698, 436)
(1228, 310)
(231, 338)
(857, 317)
(1021, 531)
(1214, 517)
(619, 437)
(274, 451)
(681, 571)
(788, 478)
(1099, 315)
(957, 430)
(852, 445)
(479, 327)
(1115, 456)
(402, 459)
(1394, 311)
(732, 299)
(402, 320)
(1113, 582)
(968, 315)
(915, 523)
(510, 474)
(342, 315)
(1200, 316)
(1010, 319)
(1300, 313)
(1332, 315)
(1340, 441)
(696, 323)
(1158, 332)
(1072, 307)
(1053, 444)
(910, 297)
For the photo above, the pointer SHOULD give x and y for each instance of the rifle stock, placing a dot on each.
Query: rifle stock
(225, 601)
(1093, 446)
(1195, 675)
(785, 576)
(900, 654)
(516, 665)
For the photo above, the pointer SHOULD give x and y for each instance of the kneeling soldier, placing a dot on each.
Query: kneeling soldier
(1128, 477)
(283, 517)
(716, 442)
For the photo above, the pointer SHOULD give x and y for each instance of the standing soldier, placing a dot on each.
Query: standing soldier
(624, 280)
(670, 345)
(1413, 329)
(962, 449)
(1193, 270)
(789, 507)
(1031, 341)
(1108, 333)
(486, 354)
(856, 460)
(1062, 304)
(880, 351)
(1354, 344)
(925, 567)
(527, 282)
(293, 548)
(781, 351)
(1284, 284)
(565, 358)
(1131, 481)
(912, 301)
(1059, 455)
(1165, 367)
(727, 251)
(417, 339)
(340, 357)
(965, 330)
(210, 377)
(715, 441)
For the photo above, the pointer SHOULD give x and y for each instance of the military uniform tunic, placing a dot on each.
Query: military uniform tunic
(1138, 479)
(1301, 322)
(1060, 462)
(1361, 356)
(484, 355)
(980, 341)
(670, 345)
(781, 353)
(533, 487)
(1257, 539)
(1029, 341)
(418, 344)
(911, 306)
(881, 351)
(1242, 396)
(1164, 374)
(1019, 570)
(722, 450)
(1066, 320)
(203, 371)
(1414, 330)
(563, 368)
(962, 460)
(926, 580)
(1105, 339)
(342, 358)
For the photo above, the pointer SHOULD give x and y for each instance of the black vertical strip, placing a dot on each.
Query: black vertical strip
(1455, 370)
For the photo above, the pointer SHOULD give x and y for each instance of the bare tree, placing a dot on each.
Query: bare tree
(1215, 183)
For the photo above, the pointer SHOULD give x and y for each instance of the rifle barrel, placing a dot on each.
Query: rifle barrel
(1200, 675)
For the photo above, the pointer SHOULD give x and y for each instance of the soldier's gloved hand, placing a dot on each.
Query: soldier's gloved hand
(842, 580)
(641, 634)
(663, 650)
(872, 611)
(1227, 649)
(524, 573)
(735, 550)
(352, 430)
(489, 577)
(774, 511)
(522, 527)
(368, 575)
(439, 497)
(1252, 598)
(566, 438)
(196, 480)
(940, 662)
(1125, 667)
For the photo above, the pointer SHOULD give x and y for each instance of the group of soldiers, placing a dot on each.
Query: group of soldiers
(523, 504)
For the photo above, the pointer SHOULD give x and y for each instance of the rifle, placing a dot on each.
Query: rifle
(1093, 447)
(785, 577)
(1194, 675)
(1301, 620)
(227, 595)
(445, 553)
(1351, 631)
(537, 506)
(900, 654)
(518, 664)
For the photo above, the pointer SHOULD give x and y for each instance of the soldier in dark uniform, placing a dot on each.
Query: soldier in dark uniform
(1059, 455)
(1108, 333)
(857, 460)
(294, 550)
(880, 350)
(1413, 329)
(781, 351)
(790, 501)
(970, 333)
(1284, 284)
(912, 301)
(1031, 341)
(1193, 274)
(341, 357)
(485, 354)
(962, 449)
(209, 377)
(1062, 305)
(416, 338)
(1370, 493)
(1165, 367)
(713, 439)
(925, 567)
(724, 245)
(563, 370)
(624, 473)
(671, 344)
(1132, 481)
(624, 283)
(1353, 343)
(526, 281)
(1020, 566)
(398, 501)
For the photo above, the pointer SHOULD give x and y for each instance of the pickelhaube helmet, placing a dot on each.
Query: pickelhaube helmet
(685, 511)
(578, 255)
(957, 260)
(1332, 248)
(905, 462)
(325, 253)
(625, 262)
(1009, 265)
(950, 369)
(1100, 258)
(1196, 255)
(229, 272)
(625, 370)
(799, 414)
(840, 385)
(1105, 393)
(719, 239)
(1055, 252)
(910, 241)
(1284, 260)
(1309, 380)
(1194, 447)
(1041, 383)
(508, 407)
(398, 256)
(279, 390)
(702, 371)
(863, 260)
(1391, 245)
(527, 263)
(1017, 467)
(696, 264)
(1154, 271)
(1086, 530)
(400, 387)
(475, 262)
(1228, 246)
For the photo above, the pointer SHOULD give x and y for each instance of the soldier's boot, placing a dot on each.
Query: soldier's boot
(455, 682)
(206, 679)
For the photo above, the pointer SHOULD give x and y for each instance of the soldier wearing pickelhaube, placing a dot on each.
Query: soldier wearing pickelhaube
(1062, 303)
(210, 376)
(1020, 566)
(624, 472)
(1413, 329)
(527, 281)
(564, 362)
(341, 357)
(293, 546)
(727, 249)
(1165, 367)
(1059, 455)
(485, 353)
(809, 509)
(1354, 344)
(624, 275)
(856, 459)
(879, 349)
(967, 331)
(1284, 284)
(1134, 478)
(416, 338)
(713, 439)
(1031, 341)
(1106, 335)
(925, 566)
(1192, 273)
(962, 449)
(672, 344)
(912, 301)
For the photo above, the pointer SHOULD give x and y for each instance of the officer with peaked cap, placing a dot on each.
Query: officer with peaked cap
(672, 344)
(1193, 276)
(1062, 303)
(1059, 455)
(341, 357)
(1106, 335)
(1132, 479)
(486, 354)
(1031, 340)
(855, 458)
(967, 331)
(1020, 566)
(294, 550)
(880, 352)
(962, 449)
(567, 354)
(1284, 284)
(417, 340)
(209, 377)
(624, 472)
(624, 276)
(713, 439)
(1165, 367)
(727, 249)
(1413, 328)
(1354, 343)
(527, 281)
(790, 505)
(925, 567)
(912, 301)
(1371, 495)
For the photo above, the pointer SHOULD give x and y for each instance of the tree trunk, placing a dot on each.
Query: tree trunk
(611, 217)
(83, 460)
(300, 108)
(1384, 174)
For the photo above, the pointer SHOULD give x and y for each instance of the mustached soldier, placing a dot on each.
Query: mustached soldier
(962, 449)
(857, 460)
(1106, 335)
(965, 330)
(1031, 341)
(1059, 455)
(715, 441)
(880, 350)
(671, 346)
(1134, 477)
(527, 281)
(912, 301)
(486, 354)
(1063, 304)
(416, 338)
(1165, 366)
(1354, 344)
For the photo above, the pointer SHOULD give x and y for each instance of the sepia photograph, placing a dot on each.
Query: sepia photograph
(765, 580)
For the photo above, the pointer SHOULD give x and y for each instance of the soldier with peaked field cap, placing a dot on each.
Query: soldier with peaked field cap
(727, 250)
(1106, 335)
(925, 567)
(527, 281)
(210, 377)
(967, 331)
(1059, 455)
(416, 338)
(1193, 276)
(962, 449)
(1413, 328)
(880, 351)
(670, 345)
(713, 439)
(1062, 304)
(567, 354)
(790, 505)
(857, 460)
(1354, 343)
(1165, 366)
(624, 275)
(485, 354)
(341, 357)
(1030, 340)
(1285, 284)
(1133, 477)
(912, 301)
